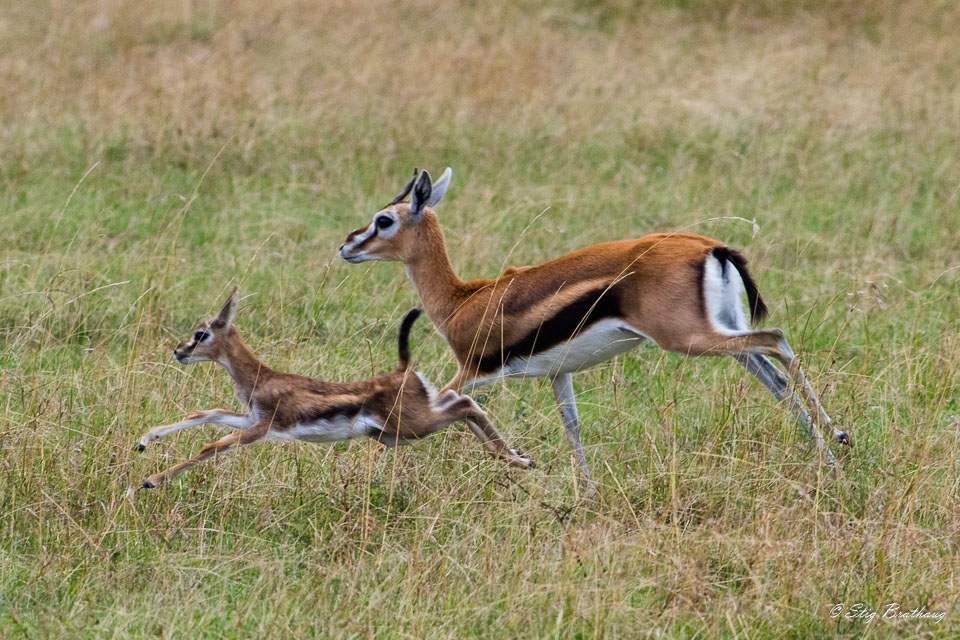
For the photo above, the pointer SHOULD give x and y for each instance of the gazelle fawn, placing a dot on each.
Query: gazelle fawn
(396, 408)
(683, 292)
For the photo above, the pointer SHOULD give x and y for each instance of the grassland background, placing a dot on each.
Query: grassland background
(154, 154)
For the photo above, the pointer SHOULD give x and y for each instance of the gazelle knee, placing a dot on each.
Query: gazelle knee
(464, 406)
(784, 347)
(446, 400)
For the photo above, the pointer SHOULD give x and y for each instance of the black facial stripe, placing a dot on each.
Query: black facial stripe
(589, 308)
(367, 239)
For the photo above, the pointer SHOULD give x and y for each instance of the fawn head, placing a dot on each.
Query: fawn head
(209, 341)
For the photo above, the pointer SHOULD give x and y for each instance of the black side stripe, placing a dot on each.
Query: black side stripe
(700, 267)
(589, 308)
(329, 413)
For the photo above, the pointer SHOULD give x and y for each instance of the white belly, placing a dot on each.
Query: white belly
(599, 342)
(334, 430)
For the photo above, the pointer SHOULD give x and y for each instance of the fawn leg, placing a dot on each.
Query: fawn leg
(466, 409)
(217, 416)
(235, 439)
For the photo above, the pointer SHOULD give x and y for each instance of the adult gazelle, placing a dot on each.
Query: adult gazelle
(683, 292)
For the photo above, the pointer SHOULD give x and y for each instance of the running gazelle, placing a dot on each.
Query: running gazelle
(396, 408)
(683, 292)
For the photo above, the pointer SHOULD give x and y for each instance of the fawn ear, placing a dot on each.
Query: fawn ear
(229, 310)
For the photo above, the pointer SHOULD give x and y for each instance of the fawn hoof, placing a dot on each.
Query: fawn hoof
(148, 485)
(521, 461)
(139, 447)
(843, 438)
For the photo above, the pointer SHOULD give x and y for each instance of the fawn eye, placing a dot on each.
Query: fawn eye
(383, 222)
(200, 336)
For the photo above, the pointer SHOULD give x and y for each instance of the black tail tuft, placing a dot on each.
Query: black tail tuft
(758, 310)
(404, 338)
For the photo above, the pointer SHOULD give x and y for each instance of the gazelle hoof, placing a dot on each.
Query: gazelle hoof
(139, 447)
(843, 438)
(148, 485)
(588, 491)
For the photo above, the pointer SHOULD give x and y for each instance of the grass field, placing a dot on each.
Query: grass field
(152, 155)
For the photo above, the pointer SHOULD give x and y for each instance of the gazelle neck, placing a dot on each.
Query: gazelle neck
(429, 268)
(244, 367)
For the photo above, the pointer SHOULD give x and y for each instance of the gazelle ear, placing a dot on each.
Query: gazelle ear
(229, 310)
(421, 194)
(440, 187)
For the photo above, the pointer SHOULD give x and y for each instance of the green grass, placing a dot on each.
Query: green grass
(152, 157)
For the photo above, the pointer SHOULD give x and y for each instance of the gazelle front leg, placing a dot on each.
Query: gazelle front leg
(235, 439)
(216, 416)
(563, 391)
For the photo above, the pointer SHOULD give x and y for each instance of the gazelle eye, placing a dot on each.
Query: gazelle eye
(384, 222)
(200, 336)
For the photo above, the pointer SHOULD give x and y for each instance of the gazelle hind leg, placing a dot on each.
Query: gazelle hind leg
(785, 355)
(727, 312)
(778, 384)
(392, 438)
(764, 342)
(235, 439)
(566, 400)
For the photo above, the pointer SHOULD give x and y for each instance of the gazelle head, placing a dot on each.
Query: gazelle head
(210, 339)
(389, 235)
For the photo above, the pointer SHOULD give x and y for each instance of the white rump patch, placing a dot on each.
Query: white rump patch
(723, 292)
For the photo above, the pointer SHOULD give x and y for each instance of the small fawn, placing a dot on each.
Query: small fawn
(397, 408)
